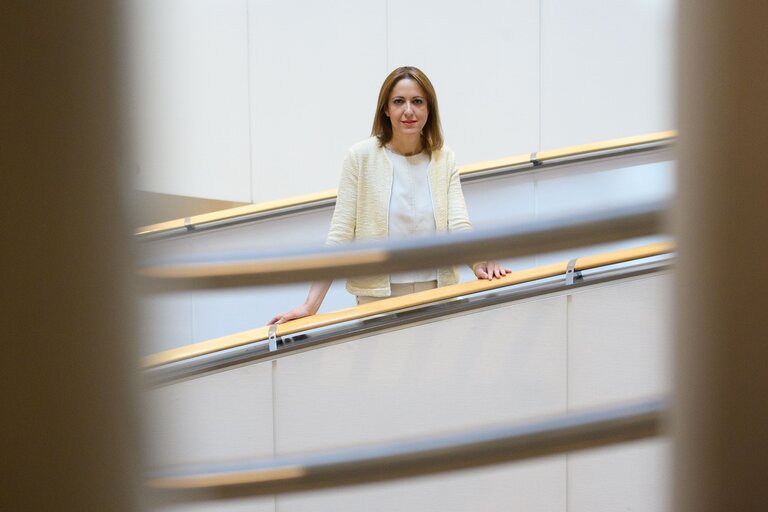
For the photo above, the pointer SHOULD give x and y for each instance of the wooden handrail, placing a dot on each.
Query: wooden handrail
(239, 211)
(625, 142)
(490, 165)
(413, 457)
(374, 257)
(400, 303)
(465, 170)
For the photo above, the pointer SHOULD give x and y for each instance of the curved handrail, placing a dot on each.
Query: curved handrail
(376, 257)
(329, 196)
(418, 457)
(400, 303)
(318, 198)
(615, 144)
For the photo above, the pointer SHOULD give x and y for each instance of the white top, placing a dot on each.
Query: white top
(411, 213)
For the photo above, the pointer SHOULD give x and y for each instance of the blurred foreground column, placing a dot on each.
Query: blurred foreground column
(721, 423)
(68, 433)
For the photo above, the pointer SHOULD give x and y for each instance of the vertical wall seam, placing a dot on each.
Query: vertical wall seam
(538, 142)
(536, 259)
(274, 408)
(274, 417)
(192, 324)
(568, 308)
(248, 67)
(386, 36)
(540, 72)
(191, 297)
(568, 303)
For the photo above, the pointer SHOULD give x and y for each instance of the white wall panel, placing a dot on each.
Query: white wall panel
(166, 321)
(216, 418)
(590, 348)
(316, 68)
(266, 504)
(483, 60)
(469, 371)
(166, 318)
(501, 201)
(300, 230)
(251, 100)
(189, 107)
(175, 319)
(584, 187)
(633, 478)
(223, 312)
(619, 350)
(533, 486)
(606, 69)
(619, 342)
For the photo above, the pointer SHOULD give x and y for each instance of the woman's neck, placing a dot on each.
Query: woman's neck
(407, 147)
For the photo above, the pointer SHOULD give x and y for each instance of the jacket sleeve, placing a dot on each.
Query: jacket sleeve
(458, 219)
(344, 219)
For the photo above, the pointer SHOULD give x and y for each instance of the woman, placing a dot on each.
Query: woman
(402, 181)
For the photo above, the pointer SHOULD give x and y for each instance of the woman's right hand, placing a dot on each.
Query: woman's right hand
(489, 269)
(299, 312)
(314, 299)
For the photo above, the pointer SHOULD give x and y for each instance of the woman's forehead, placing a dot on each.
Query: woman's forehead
(406, 87)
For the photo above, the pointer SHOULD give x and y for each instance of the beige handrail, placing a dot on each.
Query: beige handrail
(238, 212)
(329, 196)
(626, 142)
(482, 447)
(381, 256)
(400, 303)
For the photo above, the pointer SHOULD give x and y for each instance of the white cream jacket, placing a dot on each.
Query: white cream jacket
(362, 206)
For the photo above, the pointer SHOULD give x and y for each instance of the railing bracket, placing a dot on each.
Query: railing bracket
(273, 337)
(570, 274)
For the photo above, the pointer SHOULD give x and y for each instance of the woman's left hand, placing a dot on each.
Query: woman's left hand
(489, 270)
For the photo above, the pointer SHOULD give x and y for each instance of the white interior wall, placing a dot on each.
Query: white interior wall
(225, 417)
(596, 346)
(482, 59)
(262, 504)
(253, 100)
(189, 95)
(532, 486)
(315, 69)
(606, 69)
(619, 346)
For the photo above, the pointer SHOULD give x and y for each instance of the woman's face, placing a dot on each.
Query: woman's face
(407, 108)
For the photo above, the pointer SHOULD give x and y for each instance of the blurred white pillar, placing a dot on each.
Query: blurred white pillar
(68, 433)
(721, 423)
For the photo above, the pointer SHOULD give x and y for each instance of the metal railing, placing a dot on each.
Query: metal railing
(377, 257)
(330, 328)
(469, 172)
(416, 457)
(421, 457)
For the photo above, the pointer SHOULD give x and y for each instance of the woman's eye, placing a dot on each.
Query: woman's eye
(397, 101)
(418, 101)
